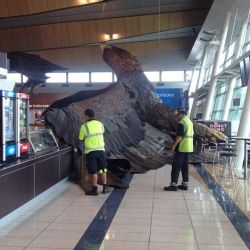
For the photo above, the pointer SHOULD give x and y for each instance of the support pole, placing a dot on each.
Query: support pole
(199, 82)
(244, 128)
(211, 92)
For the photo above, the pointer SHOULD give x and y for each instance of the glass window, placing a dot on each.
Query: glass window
(209, 72)
(235, 110)
(188, 75)
(247, 38)
(25, 78)
(217, 115)
(16, 77)
(205, 78)
(222, 59)
(194, 82)
(56, 77)
(101, 77)
(231, 50)
(172, 76)
(230, 54)
(153, 76)
(78, 77)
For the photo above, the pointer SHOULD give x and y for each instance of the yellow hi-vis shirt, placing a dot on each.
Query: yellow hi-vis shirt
(91, 133)
(186, 143)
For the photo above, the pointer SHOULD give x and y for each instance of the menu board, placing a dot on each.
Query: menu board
(23, 119)
(9, 119)
(221, 126)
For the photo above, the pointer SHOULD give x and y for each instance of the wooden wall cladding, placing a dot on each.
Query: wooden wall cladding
(72, 34)
(44, 99)
(27, 7)
(86, 58)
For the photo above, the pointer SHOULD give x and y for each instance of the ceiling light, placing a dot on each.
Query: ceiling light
(106, 37)
(115, 36)
(83, 1)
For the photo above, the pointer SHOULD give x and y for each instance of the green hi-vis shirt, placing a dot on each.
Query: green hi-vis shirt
(91, 133)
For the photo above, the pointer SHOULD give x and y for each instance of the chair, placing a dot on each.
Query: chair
(230, 165)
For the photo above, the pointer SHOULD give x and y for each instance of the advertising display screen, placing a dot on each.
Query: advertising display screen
(245, 71)
(23, 119)
(9, 119)
(170, 97)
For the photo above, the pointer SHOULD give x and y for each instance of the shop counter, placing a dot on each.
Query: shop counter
(24, 179)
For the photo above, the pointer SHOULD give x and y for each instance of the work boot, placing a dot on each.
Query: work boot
(106, 189)
(183, 187)
(93, 191)
(171, 188)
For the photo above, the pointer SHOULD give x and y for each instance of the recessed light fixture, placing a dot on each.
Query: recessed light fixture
(111, 36)
(106, 37)
(115, 36)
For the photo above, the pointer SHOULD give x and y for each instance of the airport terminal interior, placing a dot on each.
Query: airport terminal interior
(139, 65)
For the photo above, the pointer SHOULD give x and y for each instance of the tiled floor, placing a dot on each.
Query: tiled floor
(148, 218)
(237, 188)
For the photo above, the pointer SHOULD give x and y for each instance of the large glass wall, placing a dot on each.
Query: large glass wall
(236, 47)
(237, 106)
(106, 77)
(219, 102)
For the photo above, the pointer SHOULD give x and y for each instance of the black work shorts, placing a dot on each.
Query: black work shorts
(96, 161)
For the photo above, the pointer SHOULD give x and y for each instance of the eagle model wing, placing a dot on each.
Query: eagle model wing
(33, 67)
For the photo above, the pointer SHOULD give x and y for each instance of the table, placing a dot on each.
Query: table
(246, 140)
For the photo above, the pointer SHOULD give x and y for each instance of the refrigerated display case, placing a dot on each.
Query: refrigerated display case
(42, 141)
(8, 136)
(23, 124)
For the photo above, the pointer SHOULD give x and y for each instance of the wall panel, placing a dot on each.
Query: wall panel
(90, 58)
(36, 6)
(16, 8)
(22, 42)
(33, 37)
(3, 8)
(75, 33)
(63, 35)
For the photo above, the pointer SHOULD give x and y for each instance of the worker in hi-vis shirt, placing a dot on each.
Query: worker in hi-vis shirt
(91, 133)
(182, 148)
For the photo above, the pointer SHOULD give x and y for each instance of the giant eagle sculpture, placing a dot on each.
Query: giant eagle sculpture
(33, 67)
(138, 126)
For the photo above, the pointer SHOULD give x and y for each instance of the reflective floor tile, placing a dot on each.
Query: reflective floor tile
(171, 246)
(126, 236)
(130, 229)
(221, 247)
(124, 245)
(173, 238)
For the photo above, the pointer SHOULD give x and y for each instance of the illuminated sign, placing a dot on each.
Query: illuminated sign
(10, 150)
(7, 93)
(23, 96)
(24, 147)
(39, 105)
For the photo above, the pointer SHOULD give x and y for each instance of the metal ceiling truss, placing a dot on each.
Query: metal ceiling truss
(106, 9)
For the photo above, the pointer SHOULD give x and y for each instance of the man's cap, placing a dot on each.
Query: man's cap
(180, 111)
